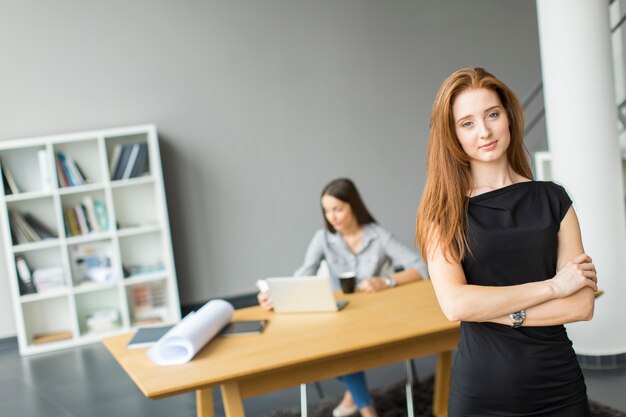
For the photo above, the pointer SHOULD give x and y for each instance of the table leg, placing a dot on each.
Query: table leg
(204, 402)
(443, 373)
(231, 397)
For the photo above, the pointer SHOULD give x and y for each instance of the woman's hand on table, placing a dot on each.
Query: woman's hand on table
(372, 284)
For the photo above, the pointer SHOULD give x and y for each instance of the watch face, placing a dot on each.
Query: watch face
(518, 318)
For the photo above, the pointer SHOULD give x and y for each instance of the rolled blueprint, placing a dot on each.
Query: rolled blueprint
(184, 340)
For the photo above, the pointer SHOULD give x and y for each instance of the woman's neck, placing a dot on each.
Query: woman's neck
(351, 231)
(490, 176)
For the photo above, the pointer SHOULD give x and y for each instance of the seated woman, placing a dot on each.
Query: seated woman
(353, 241)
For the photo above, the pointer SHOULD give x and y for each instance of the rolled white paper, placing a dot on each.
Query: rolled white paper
(184, 340)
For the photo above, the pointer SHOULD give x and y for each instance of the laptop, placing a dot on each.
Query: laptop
(303, 295)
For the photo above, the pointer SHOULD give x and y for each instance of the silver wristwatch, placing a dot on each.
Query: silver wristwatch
(390, 282)
(517, 318)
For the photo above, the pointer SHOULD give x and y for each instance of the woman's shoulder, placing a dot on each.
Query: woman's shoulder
(551, 187)
(377, 231)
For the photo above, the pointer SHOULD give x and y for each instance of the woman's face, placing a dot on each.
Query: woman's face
(338, 213)
(481, 125)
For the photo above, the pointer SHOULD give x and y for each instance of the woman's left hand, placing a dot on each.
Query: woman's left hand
(372, 284)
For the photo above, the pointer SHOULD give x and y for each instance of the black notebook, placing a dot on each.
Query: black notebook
(148, 336)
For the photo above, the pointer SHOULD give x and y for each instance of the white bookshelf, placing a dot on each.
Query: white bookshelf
(122, 269)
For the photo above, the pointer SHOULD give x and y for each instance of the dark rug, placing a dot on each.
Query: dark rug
(390, 401)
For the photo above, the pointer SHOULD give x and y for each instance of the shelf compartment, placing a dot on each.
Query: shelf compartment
(29, 167)
(142, 253)
(128, 156)
(47, 317)
(148, 303)
(98, 312)
(41, 273)
(93, 262)
(33, 221)
(135, 206)
(85, 213)
(86, 162)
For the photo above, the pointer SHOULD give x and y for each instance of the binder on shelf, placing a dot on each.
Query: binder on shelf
(24, 275)
(132, 159)
(121, 162)
(141, 164)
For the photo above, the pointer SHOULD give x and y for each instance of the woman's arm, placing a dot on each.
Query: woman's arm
(576, 307)
(313, 256)
(460, 301)
(312, 259)
(374, 284)
(413, 266)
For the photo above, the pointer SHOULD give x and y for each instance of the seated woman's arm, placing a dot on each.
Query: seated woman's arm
(461, 301)
(312, 259)
(413, 266)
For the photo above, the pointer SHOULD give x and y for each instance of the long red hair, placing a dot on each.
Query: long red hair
(441, 216)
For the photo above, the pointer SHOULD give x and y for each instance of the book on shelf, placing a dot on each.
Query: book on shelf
(117, 150)
(44, 170)
(25, 228)
(141, 269)
(121, 162)
(88, 216)
(71, 223)
(132, 158)
(93, 263)
(70, 171)
(90, 211)
(61, 174)
(129, 161)
(40, 229)
(24, 275)
(102, 319)
(10, 187)
(81, 218)
(101, 215)
(140, 166)
(149, 303)
(45, 279)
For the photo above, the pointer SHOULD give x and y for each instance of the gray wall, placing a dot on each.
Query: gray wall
(259, 103)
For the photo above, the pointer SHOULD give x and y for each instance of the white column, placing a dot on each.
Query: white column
(581, 120)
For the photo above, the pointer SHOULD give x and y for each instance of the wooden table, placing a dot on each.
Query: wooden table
(373, 330)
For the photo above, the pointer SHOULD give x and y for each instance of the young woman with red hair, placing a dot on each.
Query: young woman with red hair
(505, 256)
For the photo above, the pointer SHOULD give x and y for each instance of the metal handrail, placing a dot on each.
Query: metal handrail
(533, 122)
(533, 93)
(620, 23)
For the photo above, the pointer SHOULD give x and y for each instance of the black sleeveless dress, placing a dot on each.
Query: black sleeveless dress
(500, 371)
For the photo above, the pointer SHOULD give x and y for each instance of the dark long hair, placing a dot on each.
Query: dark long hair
(344, 189)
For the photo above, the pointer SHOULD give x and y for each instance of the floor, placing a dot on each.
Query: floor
(87, 382)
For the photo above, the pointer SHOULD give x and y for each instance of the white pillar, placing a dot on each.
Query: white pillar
(581, 120)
